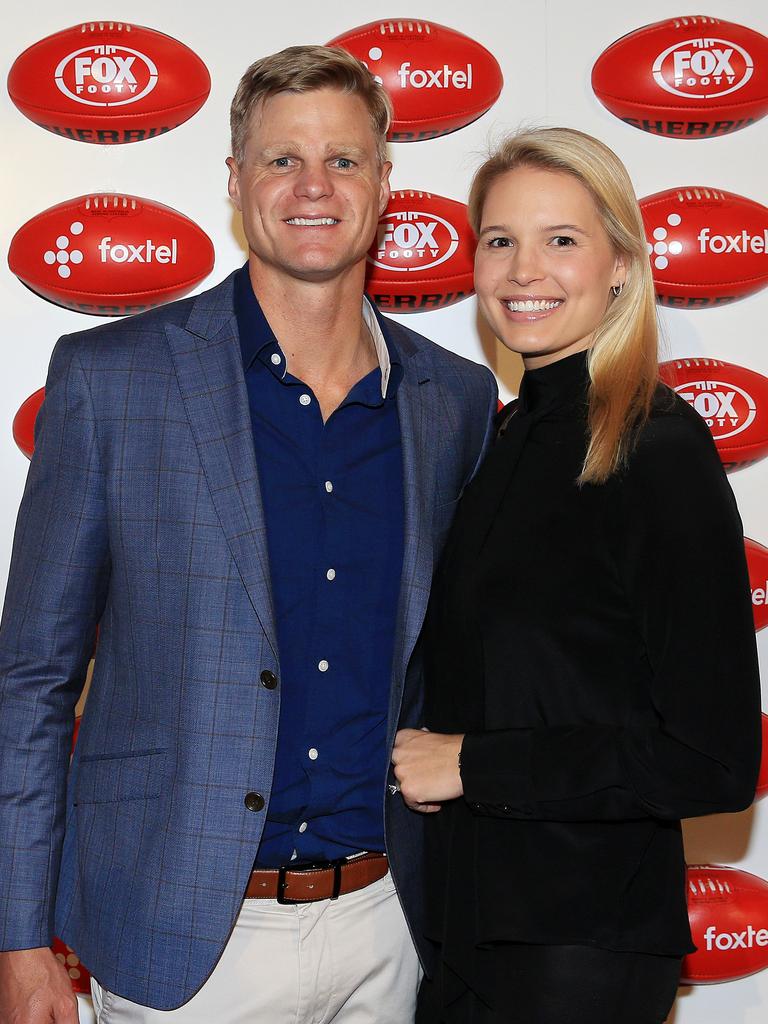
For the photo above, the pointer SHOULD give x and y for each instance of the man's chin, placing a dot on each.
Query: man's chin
(317, 271)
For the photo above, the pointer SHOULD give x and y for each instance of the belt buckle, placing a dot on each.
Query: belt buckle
(323, 865)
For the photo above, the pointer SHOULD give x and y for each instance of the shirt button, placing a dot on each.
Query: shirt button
(305, 399)
(268, 679)
(312, 754)
(323, 665)
(331, 574)
(328, 486)
(275, 357)
(254, 801)
(303, 827)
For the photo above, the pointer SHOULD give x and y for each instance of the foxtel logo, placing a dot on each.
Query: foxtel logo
(735, 940)
(442, 78)
(147, 252)
(732, 243)
(760, 595)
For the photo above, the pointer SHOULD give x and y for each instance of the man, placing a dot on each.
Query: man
(247, 490)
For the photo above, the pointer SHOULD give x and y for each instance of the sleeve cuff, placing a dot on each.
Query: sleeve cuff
(496, 771)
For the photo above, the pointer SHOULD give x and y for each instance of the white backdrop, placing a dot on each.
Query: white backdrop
(546, 50)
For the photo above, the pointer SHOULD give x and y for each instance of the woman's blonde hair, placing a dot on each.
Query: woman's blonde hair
(623, 360)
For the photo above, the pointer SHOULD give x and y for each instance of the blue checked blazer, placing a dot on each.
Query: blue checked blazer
(142, 513)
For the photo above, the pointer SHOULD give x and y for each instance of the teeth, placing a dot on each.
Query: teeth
(312, 222)
(531, 305)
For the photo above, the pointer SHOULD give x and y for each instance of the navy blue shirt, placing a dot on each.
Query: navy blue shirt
(333, 504)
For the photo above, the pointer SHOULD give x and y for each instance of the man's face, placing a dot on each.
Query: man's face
(310, 186)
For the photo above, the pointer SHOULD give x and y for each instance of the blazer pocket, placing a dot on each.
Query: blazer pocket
(111, 778)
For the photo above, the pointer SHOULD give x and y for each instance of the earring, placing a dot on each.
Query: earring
(617, 289)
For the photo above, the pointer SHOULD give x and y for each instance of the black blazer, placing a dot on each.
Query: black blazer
(596, 644)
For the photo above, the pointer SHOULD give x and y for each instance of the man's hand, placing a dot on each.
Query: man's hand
(427, 767)
(35, 989)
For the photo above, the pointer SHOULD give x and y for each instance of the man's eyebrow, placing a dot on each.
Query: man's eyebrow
(331, 149)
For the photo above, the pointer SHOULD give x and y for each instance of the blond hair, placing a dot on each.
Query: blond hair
(623, 359)
(304, 69)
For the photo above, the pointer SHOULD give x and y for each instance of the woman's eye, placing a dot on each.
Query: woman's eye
(563, 241)
(500, 242)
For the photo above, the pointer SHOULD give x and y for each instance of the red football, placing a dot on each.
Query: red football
(685, 78)
(108, 82)
(707, 247)
(757, 563)
(437, 78)
(78, 974)
(728, 911)
(732, 400)
(762, 778)
(423, 254)
(110, 254)
(24, 422)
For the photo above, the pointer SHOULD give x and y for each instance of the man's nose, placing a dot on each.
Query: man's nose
(314, 181)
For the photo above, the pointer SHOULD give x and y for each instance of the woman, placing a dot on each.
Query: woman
(590, 652)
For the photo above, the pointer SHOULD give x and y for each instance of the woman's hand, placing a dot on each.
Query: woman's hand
(427, 768)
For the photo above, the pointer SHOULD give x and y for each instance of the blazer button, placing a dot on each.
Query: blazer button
(268, 679)
(254, 801)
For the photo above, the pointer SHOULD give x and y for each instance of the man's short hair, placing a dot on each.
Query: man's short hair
(302, 69)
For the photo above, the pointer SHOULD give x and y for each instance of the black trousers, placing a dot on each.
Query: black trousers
(554, 985)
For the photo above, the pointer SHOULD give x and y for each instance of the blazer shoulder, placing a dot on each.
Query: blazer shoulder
(108, 344)
(448, 363)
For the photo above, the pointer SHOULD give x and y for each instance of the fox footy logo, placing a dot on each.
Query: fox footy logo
(106, 75)
(412, 240)
(726, 408)
(703, 68)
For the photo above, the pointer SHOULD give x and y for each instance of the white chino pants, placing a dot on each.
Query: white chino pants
(346, 961)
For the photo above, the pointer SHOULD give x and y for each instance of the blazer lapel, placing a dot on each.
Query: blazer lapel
(208, 362)
(419, 433)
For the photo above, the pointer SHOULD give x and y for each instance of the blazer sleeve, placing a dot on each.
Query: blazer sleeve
(679, 551)
(56, 592)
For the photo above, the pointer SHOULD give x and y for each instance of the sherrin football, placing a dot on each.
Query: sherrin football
(707, 247)
(728, 912)
(422, 257)
(108, 82)
(438, 79)
(77, 972)
(685, 78)
(24, 422)
(732, 400)
(110, 254)
(757, 563)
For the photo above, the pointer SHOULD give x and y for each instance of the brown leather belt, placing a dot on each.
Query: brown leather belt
(324, 881)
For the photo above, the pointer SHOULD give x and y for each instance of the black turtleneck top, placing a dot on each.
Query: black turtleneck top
(596, 645)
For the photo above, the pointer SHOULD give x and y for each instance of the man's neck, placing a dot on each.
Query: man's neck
(320, 328)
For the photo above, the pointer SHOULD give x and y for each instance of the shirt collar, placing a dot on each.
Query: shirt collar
(256, 335)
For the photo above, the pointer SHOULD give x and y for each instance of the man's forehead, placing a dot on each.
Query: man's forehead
(323, 103)
(299, 120)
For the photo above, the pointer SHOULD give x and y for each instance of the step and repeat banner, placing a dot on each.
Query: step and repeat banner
(114, 187)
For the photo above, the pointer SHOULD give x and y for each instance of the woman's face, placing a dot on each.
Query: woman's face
(544, 264)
